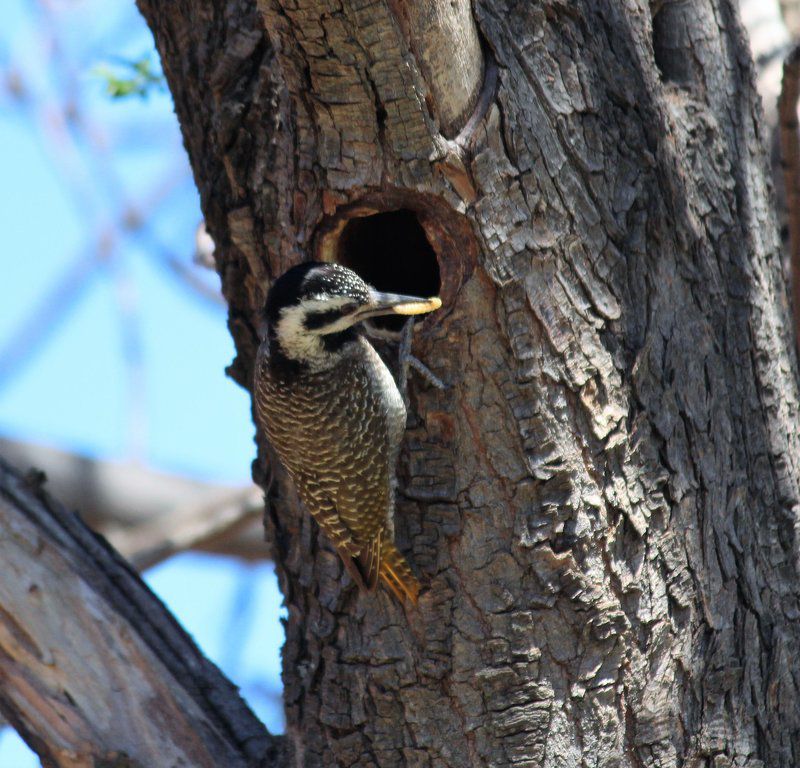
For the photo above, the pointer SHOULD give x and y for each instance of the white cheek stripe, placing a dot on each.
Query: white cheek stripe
(321, 302)
(297, 342)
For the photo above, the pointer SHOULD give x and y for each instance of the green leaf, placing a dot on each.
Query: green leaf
(130, 77)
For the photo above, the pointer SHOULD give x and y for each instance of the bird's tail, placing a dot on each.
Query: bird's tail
(396, 574)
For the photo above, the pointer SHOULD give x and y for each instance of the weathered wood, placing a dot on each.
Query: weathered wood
(791, 14)
(93, 669)
(612, 473)
(444, 40)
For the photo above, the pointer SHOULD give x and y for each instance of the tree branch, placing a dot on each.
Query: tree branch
(199, 526)
(147, 515)
(92, 666)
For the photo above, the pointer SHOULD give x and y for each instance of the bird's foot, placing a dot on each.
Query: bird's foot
(406, 360)
(426, 372)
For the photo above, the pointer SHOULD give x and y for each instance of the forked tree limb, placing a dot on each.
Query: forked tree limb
(225, 522)
(93, 668)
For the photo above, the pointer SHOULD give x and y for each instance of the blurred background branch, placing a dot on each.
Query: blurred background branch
(148, 515)
(113, 339)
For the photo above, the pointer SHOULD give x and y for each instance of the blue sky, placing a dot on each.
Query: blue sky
(127, 361)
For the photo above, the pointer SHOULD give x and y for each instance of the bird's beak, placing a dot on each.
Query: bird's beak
(395, 304)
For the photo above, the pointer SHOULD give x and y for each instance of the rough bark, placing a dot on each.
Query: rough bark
(612, 473)
(93, 669)
(790, 161)
(770, 44)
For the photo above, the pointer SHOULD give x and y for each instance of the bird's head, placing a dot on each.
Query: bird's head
(313, 310)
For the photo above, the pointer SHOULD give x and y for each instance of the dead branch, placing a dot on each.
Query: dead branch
(147, 515)
(93, 668)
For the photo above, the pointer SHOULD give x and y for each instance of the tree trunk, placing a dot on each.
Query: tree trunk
(603, 500)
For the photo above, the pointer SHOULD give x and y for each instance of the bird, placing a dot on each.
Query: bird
(333, 414)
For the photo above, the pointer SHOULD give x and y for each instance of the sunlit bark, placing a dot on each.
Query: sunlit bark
(603, 501)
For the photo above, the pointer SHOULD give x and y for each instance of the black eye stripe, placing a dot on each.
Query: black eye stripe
(314, 320)
(309, 280)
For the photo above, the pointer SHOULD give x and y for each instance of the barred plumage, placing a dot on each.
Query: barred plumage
(333, 413)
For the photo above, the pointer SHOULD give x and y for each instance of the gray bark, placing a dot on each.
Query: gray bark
(612, 473)
(770, 44)
(93, 669)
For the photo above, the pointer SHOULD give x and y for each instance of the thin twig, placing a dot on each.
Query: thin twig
(47, 316)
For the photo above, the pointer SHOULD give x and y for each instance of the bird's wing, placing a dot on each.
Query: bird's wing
(361, 559)
(322, 507)
(368, 561)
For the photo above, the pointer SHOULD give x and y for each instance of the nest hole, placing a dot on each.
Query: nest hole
(391, 252)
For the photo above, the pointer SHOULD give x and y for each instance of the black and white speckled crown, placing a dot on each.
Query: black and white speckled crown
(313, 279)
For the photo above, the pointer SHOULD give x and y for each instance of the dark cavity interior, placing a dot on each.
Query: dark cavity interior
(392, 253)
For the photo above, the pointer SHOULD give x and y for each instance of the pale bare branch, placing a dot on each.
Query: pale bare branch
(149, 515)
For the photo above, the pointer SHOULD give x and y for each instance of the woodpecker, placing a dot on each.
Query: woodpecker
(333, 413)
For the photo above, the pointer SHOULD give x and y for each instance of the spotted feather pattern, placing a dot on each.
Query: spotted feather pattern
(338, 432)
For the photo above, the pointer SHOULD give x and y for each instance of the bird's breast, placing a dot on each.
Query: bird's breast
(345, 421)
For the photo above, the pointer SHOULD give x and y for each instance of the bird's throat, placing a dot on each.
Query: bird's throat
(314, 352)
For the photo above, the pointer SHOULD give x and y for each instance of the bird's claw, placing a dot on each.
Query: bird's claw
(406, 360)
